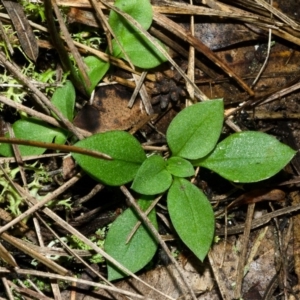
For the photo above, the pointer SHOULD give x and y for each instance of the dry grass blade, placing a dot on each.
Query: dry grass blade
(26, 36)
(7, 289)
(279, 14)
(74, 253)
(7, 257)
(17, 155)
(6, 39)
(26, 292)
(36, 205)
(243, 250)
(73, 279)
(141, 88)
(34, 254)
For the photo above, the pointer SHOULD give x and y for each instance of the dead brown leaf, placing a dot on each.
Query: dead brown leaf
(24, 31)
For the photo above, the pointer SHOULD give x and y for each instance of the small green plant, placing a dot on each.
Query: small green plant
(134, 45)
(192, 138)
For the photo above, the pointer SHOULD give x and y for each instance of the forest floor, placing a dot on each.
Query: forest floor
(245, 52)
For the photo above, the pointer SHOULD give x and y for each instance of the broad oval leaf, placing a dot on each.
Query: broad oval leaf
(180, 167)
(142, 53)
(64, 99)
(33, 130)
(126, 152)
(139, 49)
(97, 68)
(140, 10)
(140, 249)
(152, 177)
(192, 216)
(248, 157)
(194, 132)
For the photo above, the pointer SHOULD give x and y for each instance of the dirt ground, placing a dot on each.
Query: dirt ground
(246, 52)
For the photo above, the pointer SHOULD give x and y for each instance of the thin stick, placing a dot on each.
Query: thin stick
(138, 224)
(191, 63)
(72, 279)
(34, 254)
(6, 39)
(53, 146)
(243, 254)
(29, 157)
(266, 59)
(139, 80)
(7, 289)
(101, 18)
(279, 14)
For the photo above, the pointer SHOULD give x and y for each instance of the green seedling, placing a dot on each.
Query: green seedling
(192, 138)
(134, 46)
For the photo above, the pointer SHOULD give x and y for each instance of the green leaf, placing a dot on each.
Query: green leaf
(192, 216)
(140, 10)
(248, 157)
(180, 167)
(33, 130)
(64, 99)
(97, 68)
(139, 49)
(140, 249)
(141, 52)
(194, 132)
(152, 177)
(126, 152)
